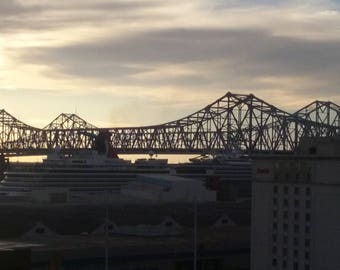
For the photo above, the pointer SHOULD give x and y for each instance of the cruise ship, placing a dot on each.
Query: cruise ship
(99, 175)
(229, 174)
(86, 175)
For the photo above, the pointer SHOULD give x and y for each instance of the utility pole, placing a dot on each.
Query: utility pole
(195, 233)
(107, 236)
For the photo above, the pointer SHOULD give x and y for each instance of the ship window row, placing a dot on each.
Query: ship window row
(67, 184)
(65, 180)
(70, 175)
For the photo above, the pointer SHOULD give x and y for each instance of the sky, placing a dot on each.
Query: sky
(142, 62)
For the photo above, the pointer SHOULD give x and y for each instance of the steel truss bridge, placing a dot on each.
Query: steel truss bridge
(234, 121)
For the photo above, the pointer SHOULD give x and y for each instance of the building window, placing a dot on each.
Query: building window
(307, 267)
(275, 189)
(274, 262)
(284, 252)
(312, 150)
(307, 242)
(285, 214)
(296, 203)
(274, 237)
(284, 264)
(40, 230)
(275, 226)
(307, 191)
(296, 215)
(285, 227)
(285, 239)
(297, 176)
(274, 249)
(307, 229)
(285, 202)
(297, 165)
(307, 255)
(296, 266)
(275, 201)
(296, 191)
(307, 217)
(296, 228)
(277, 165)
(274, 213)
(296, 253)
(285, 190)
(170, 224)
(296, 241)
(287, 176)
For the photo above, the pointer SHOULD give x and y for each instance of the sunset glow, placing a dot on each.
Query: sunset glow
(121, 63)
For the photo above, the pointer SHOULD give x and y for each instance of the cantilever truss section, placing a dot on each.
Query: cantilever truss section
(16, 137)
(326, 113)
(69, 121)
(242, 122)
(234, 121)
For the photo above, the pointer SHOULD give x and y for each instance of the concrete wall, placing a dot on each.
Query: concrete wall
(326, 228)
(306, 187)
(261, 226)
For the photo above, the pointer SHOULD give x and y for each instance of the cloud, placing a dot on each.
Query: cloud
(30, 15)
(200, 58)
(170, 54)
(12, 7)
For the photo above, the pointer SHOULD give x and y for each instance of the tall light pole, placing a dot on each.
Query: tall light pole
(107, 234)
(195, 233)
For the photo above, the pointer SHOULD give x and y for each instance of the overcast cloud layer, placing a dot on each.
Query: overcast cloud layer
(147, 62)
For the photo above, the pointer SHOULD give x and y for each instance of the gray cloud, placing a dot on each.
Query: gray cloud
(228, 4)
(12, 7)
(216, 58)
(143, 48)
(16, 16)
(178, 46)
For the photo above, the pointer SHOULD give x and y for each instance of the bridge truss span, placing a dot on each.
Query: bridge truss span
(241, 122)
(233, 122)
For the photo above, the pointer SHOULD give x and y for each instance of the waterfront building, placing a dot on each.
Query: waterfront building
(295, 215)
